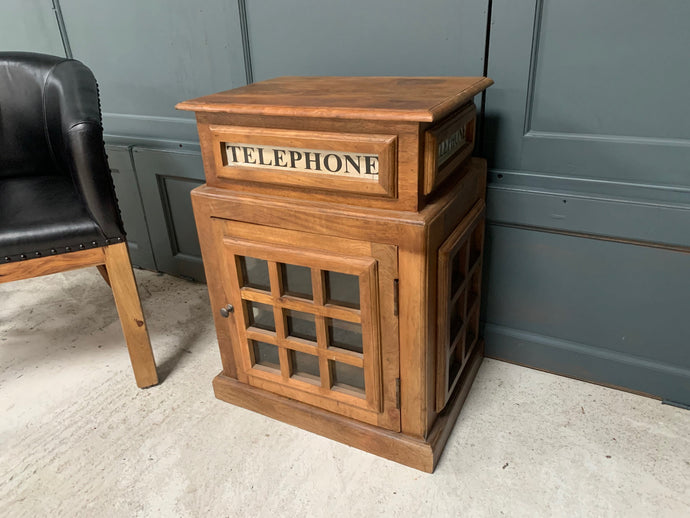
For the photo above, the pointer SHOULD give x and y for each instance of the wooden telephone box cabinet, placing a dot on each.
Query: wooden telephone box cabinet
(342, 226)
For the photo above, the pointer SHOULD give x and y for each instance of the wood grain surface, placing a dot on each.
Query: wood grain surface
(423, 99)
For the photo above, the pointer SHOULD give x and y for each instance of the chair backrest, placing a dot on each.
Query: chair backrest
(41, 96)
(24, 147)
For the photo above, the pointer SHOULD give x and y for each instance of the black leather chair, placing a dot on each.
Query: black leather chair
(58, 209)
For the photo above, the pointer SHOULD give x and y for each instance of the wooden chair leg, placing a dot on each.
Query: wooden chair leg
(119, 269)
(104, 273)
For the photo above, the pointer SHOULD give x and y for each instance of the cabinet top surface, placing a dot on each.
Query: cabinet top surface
(422, 99)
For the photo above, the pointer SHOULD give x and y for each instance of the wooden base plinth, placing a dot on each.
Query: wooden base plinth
(419, 454)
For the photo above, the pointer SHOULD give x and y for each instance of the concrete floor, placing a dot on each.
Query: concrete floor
(77, 438)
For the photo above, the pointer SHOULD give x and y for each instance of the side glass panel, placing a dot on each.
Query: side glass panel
(459, 288)
(459, 268)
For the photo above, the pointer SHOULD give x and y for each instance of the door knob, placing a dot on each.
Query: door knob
(225, 312)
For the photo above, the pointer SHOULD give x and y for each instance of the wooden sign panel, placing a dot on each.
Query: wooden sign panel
(448, 146)
(347, 162)
(300, 160)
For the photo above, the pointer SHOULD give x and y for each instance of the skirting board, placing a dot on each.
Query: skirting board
(416, 453)
(583, 362)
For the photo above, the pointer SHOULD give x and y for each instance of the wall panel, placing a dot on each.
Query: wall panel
(131, 208)
(29, 26)
(594, 90)
(608, 312)
(387, 37)
(166, 177)
(608, 82)
(586, 129)
(148, 56)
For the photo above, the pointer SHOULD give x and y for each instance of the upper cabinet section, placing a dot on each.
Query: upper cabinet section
(386, 142)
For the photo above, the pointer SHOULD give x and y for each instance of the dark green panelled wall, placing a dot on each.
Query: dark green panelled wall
(586, 131)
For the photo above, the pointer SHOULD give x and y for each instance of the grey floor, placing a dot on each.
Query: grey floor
(77, 438)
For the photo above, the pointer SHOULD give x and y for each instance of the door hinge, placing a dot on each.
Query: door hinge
(397, 393)
(396, 296)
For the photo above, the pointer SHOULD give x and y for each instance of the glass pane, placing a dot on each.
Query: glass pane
(346, 335)
(477, 237)
(342, 289)
(266, 354)
(458, 268)
(456, 317)
(453, 370)
(474, 286)
(260, 315)
(344, 374)
(297, 281)
(303, 363)
(255, 273)
(301, 325)
(472, 330)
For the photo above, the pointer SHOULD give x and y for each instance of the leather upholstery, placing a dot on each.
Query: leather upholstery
(56, 192)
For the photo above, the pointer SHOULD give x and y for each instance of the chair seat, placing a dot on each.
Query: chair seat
(40, 215)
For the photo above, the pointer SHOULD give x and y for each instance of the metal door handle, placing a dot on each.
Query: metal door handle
(225, 312)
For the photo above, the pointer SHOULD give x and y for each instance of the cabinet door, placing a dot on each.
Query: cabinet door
(314, 318)
(459, 288)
